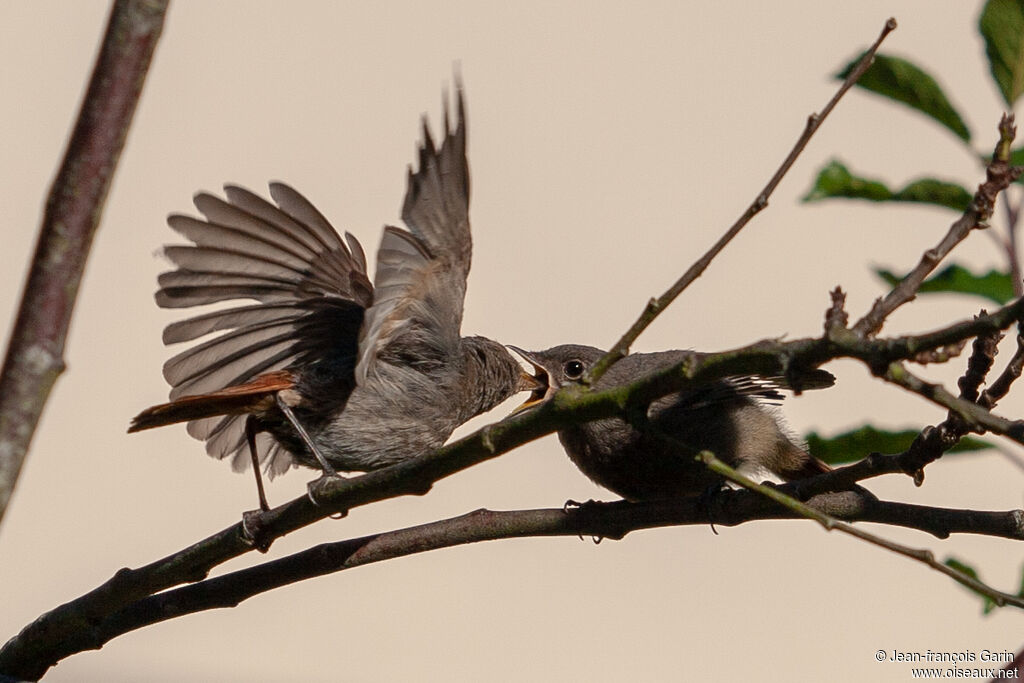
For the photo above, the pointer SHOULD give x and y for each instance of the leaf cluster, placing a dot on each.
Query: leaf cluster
(910, 85)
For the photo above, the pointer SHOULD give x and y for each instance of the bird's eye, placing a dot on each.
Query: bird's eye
(573, 369)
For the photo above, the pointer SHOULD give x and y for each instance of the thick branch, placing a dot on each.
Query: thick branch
(600, 520)
(35, 354)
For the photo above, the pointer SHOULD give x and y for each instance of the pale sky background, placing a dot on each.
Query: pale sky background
(610, 144)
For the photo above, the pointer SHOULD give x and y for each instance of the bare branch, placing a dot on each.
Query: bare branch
(977, 418)
(836, 317)
(983, 355)
(33, 652)
(1001, 386)
(999, 175)
(35, 355)
(1009, 244)
(934, 441)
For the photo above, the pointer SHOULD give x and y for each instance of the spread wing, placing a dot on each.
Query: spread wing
(420, 281)
(310, 290)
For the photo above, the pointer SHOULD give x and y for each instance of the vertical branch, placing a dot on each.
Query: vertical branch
(35, 353)
(1012, 210)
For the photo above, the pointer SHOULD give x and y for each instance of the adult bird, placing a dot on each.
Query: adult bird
(325, 369)
(731, 417)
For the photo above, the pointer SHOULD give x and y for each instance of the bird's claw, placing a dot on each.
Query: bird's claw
(254, 530)
(576, 505)
(313, 491)
(709, 499)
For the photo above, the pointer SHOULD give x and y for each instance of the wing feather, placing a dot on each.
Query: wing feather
(420, 283)
(310, 289)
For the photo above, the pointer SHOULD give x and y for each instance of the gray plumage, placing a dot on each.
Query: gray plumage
(375, 373)
(730, 417)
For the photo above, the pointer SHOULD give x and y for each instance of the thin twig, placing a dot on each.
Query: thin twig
(935, 440)
(977, 418)
(1001, 386)
(35, 354)
(1012, 212)
(656, 306)
(829, 523)
(999, 175)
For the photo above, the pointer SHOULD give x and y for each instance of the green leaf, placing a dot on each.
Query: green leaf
(835, 180)
(931, 191)
(994, 285)
(988, 604)
(904, 82)
(1002, 26)
(1016, 157)
(855, 444)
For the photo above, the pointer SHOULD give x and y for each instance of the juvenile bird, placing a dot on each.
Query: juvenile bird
(324, 369)
(730, 417)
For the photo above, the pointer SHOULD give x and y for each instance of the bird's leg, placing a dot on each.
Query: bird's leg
(252, 520)
(250, 437)
(304, 435)
(328, 471)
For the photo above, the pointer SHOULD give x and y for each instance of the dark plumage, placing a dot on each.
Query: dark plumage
(730, 417)
(375, 373)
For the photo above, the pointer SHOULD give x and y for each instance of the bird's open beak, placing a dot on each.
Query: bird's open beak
(537, 384)
(529, 383)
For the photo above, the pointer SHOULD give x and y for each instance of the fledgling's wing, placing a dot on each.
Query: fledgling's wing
(763, 389)
(420, 283)
(310, 287)
(766, 389)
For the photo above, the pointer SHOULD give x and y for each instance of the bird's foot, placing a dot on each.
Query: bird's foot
(711, 497)
(710, 501)
(315, 490)
(254, 530)
(576, 505)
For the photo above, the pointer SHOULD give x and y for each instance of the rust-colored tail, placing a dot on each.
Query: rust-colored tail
(234, 400)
